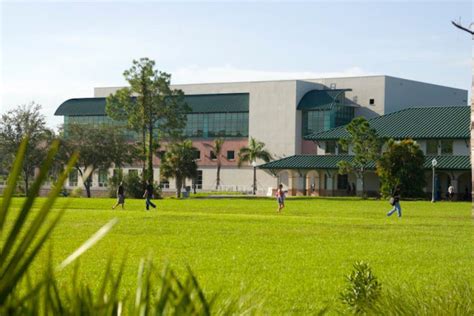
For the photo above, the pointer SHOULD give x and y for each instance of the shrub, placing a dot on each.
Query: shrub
(114, 182)
(362, 289)
(133, 186)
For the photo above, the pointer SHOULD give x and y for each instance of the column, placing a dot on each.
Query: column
(359, 186)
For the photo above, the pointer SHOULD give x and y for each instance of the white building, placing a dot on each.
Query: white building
(278, 113)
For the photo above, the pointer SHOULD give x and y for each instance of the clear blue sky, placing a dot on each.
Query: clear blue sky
(53, 51)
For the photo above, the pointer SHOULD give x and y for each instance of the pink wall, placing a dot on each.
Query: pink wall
(308, 147)
(205, 149)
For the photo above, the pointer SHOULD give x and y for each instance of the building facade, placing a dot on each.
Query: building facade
(443, 133)
(278, 113)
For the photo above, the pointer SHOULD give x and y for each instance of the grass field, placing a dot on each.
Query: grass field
(294, 262)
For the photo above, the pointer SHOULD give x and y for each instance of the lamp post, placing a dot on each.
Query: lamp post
(254, 188)
(434, 162)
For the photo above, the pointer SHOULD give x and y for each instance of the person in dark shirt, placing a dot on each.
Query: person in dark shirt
(148, 195)
(120, 196)
(395, 201)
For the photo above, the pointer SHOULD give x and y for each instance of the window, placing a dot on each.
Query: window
(197, 154)
(341, 150)
(207, 125)
(331, 147)
(73, 178)
(164, 184)
(198, 180)
(431, 147)
(372, 101)
(446, 147)
(230, 155)
(103, 177)
(213, 155)
(342, 181)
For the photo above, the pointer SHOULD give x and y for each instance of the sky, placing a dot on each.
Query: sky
(51, 51)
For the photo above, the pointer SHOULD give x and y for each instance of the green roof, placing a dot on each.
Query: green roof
(199, 103)
(313, 162)
(417, 123)
(320, 99)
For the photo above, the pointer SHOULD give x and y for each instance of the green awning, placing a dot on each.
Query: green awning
(199, 103)
(443, 122)
(313, 162)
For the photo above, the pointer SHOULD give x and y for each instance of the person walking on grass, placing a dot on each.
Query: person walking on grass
(120, 196)
(280, 195)
(148, 195)
(395, 201)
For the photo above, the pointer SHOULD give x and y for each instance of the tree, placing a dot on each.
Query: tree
(99, 147)
(149, 106)
(24, 121)
(179, 163)
(402, 164)
(366, 146)
(255, 150)
(216, 148)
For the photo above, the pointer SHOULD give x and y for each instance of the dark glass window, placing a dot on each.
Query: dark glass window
(431, 147)
(210, 125)
(446, 147)
(341, 150)
(330, 147)
(342, 181)
(164, 183)
(213, 155)
(197, 154)
(230, 155)
(103, 177)
(321, 120)
(372, 101)
(73, 178)
(198, 180)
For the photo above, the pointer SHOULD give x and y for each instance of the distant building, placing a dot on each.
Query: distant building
(278, 113)
(442, 133)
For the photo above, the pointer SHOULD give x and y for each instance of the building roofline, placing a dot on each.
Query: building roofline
(253, 81)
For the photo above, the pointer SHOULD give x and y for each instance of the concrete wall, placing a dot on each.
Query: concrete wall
(402, 93)
(363, 89)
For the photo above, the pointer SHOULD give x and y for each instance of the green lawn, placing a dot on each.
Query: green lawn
(294, 262)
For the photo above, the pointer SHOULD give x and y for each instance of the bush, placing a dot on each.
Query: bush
(114, 182)
(133, 186)
(362, 290)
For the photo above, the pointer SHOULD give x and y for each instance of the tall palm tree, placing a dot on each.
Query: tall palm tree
(179, 163)
(255, 150)
(216, 148)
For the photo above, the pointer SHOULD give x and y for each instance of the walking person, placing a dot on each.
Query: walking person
(395, 201)
(148, 195)
(280, 195)
(120, 196)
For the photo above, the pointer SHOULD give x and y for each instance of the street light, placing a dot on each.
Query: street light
(254, 165)
(434, 162)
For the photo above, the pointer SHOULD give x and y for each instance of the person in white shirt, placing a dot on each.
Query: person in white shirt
(451, 192)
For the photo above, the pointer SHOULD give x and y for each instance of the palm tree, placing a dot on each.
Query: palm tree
(255, 150)
(216, 148)
(179, 163)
